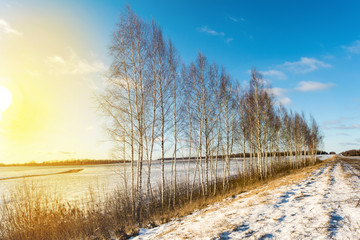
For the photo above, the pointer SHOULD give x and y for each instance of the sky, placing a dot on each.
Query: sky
(54, 54)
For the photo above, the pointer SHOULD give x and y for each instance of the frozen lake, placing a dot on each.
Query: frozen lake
(101, 179)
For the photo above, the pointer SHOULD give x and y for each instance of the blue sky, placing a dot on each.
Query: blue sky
(308, 50)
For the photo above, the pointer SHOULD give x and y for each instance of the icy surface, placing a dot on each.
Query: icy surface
(324, 157)
(97, 179)
(324, 205)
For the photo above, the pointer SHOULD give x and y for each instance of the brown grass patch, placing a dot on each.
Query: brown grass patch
(348, 175)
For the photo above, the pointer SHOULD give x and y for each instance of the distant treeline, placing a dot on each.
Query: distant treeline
(247, 155)
(352, 152)
(65, 163)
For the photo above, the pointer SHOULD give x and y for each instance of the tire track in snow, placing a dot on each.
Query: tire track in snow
(291, 215)
(343, 214)
(317, 207)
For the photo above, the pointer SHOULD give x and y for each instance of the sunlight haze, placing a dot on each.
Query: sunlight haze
(54, 56)
(138, 119)
(5, 98)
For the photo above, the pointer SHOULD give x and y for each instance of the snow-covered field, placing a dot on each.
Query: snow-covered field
(322, 203)
(101, 179)
(324, 157)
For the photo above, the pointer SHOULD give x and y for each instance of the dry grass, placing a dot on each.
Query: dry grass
(250, 203)
(31, 213)
(348, 175)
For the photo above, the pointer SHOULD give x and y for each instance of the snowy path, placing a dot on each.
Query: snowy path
(324, 205)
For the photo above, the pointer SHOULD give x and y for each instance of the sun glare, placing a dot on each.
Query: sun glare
(5, 99)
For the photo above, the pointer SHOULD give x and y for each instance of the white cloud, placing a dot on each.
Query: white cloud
(347, 127)
(342, 123)
(341, 119)
(349, 144)
(279, 94)
(7, 29)
(210, 31)
(233, 19)
(306, 86)
(354, 48)
(274, 73)
(56, 60)
(278, 91)
(228, 40)
(236, 19)
(285, 101)
(305, 65)
(74, 65)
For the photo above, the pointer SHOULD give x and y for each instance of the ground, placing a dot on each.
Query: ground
(317, 203)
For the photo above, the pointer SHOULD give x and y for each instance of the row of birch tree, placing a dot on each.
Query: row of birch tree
(159, 108)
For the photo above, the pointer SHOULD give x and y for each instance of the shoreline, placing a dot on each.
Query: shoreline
(46, 174)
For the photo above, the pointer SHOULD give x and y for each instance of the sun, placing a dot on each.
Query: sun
(5, 99)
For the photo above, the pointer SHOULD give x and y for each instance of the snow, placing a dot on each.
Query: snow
(102, 179)
(321, 206)
(324, 157)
